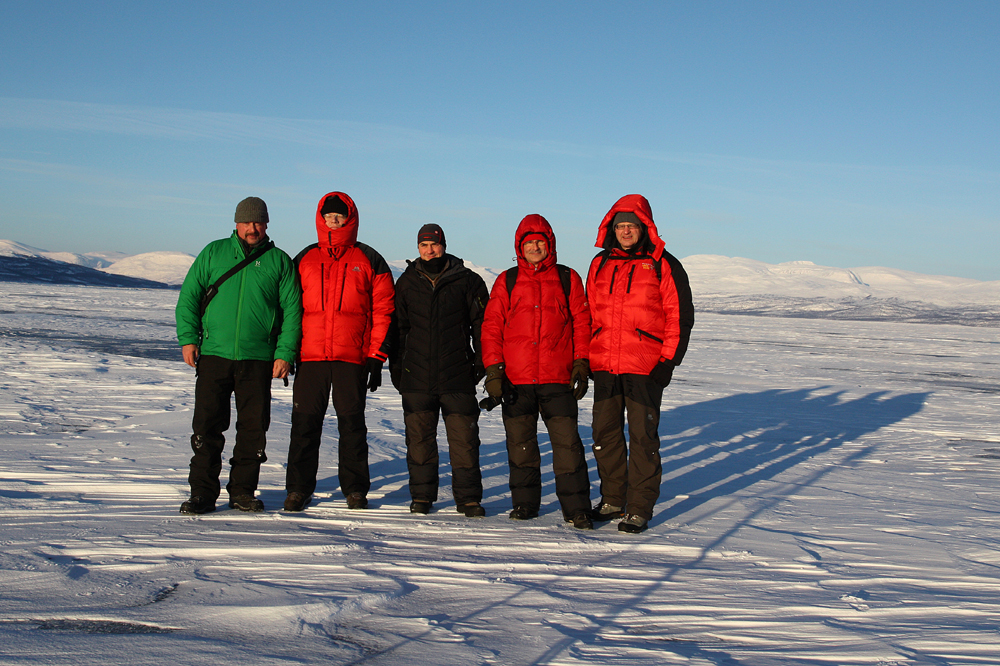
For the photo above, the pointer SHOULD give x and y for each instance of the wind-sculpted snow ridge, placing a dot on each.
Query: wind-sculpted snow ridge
(829, 497)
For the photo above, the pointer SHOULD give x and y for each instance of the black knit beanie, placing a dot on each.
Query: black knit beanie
(432, 233)
(334, 204)
(251, 209)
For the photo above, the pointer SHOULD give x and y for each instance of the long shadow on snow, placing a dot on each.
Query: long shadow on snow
(715, 448)
(710, 449)
(718, 447)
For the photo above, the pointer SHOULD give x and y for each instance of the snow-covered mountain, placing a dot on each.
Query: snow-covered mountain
(167, 267)
(23, 263)
(96, 260)
(727, 285)
(163, 267)
(717, 275)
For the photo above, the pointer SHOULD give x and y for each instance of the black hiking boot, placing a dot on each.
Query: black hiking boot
(297, 501)
(357, 501)
(197, 505)
(471, 510)
(247, 503)
(604, 512)
(523, 512)
(581, 520)
(633, 524)
(421, 506)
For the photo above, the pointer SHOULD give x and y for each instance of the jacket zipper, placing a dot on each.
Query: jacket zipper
(631, 273)
(343, 286)
(239, 317)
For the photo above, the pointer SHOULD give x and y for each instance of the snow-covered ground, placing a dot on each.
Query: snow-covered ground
(830, 497)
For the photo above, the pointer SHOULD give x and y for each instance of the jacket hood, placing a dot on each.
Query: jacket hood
(347, 235)
(630, 203)
(535, 224)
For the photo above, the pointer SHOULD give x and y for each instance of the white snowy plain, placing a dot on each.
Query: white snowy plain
(829, 496)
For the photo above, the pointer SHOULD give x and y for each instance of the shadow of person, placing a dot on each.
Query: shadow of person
(717, 447)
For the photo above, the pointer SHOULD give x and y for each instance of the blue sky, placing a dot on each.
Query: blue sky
(844, 133)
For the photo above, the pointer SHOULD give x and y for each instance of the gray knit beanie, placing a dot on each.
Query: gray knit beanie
(251, 209)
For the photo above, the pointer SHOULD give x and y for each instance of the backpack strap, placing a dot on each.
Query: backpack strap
(565, 278)
(213, 289)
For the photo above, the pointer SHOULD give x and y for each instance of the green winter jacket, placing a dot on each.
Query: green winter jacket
(257, 314)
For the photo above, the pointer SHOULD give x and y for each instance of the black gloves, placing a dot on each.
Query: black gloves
(578, 377)
(662, 373)
(373, 368)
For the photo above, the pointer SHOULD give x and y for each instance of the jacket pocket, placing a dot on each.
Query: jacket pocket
(596, 333)
(648, 335)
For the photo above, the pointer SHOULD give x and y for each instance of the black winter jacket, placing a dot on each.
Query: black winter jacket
(438, 325)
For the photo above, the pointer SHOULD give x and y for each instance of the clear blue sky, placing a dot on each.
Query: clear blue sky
(845, 133)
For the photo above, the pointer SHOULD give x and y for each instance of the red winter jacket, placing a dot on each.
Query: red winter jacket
(640, 300)
(347, 294)
(535, 329)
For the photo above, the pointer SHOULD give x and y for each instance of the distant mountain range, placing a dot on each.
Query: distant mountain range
(728, 285)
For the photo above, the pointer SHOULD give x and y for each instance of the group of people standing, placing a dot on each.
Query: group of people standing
(247, 314)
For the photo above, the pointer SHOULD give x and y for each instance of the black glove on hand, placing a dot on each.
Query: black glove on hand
(373, 367)
(662, 373)
(494, 380)
(395, 375)
(578, 377)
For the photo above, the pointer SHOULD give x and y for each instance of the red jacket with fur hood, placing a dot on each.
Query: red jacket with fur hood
(535, 329)
(640, 299)
(347, 294)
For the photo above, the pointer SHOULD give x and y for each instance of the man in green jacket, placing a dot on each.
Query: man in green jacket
(238, 332)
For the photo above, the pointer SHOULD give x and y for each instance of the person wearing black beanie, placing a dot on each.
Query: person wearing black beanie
(435, 365)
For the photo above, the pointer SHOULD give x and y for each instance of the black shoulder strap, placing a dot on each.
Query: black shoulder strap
(564, 277)
(379, 264)
(298, 258)
(214, 288)
(511, 279)
(567, 281)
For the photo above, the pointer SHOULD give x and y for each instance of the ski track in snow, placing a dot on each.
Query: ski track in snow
(830, 497)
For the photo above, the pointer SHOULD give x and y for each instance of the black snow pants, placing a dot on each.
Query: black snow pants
(630, 476)
(461, 422)
(314, 382)
(218, 379)
(558, 409)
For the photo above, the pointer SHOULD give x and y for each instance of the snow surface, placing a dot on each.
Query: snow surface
(830, 497)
